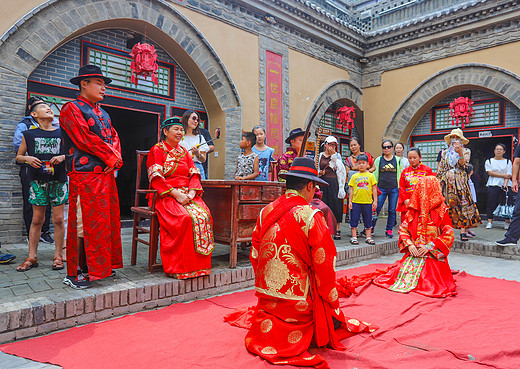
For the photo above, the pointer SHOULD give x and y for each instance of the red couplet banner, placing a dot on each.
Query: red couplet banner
(274, 103)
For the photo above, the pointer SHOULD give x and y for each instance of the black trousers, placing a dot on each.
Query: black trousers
(330, 197)
(27, 206)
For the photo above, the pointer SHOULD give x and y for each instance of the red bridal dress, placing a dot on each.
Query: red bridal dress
(186, 231)
(92, 144)
(294, 257)
(427, 222)
(285, 161)
(409, 178)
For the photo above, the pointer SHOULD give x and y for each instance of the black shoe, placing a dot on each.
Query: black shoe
(78, 283)
(46, 238)
(505, 242)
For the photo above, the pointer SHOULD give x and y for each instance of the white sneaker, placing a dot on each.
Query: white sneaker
(489, 225)
(506, 226)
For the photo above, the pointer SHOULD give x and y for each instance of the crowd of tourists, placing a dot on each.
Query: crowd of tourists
(292, 253)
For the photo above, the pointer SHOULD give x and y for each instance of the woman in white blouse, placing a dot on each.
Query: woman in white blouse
(500, 171)
(193, 141)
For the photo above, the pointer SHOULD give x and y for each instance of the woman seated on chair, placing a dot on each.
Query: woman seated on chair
(186, 232)
(425, 238)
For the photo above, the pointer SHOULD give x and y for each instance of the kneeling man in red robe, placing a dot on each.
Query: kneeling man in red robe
(293, 256)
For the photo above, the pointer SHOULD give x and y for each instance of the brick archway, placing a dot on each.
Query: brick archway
(487, 77)
(334, 92)
(55, 22)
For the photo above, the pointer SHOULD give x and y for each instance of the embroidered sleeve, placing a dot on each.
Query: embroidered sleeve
(405, 238)
(445, 240)
(155, 163)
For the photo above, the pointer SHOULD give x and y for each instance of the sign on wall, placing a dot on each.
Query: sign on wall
(274, 102)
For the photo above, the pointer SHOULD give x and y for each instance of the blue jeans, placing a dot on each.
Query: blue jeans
(201, 169)
(513, 233)
(393, 195)
(357, 211)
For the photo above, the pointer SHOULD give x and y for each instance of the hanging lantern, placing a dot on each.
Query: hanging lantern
(345, 118)
(144, 62)
(461, 109)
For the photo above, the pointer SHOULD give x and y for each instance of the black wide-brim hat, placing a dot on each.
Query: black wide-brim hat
(293, 134)
(89, 71)
(304, 168)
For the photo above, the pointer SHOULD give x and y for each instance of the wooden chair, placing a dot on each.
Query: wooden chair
(145, 212)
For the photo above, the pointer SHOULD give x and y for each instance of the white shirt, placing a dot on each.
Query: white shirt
(503, 166)
(189, 141)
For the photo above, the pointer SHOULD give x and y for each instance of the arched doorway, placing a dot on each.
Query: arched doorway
(334, 96)
(55, 23)
(423, 118)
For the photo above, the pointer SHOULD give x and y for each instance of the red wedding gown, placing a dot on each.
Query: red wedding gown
(186, 231)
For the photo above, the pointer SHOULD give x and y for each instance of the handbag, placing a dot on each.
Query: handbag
(504, 211)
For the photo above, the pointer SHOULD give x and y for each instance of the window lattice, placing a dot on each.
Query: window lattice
(485, 114)
(118, 69)
(429, 151)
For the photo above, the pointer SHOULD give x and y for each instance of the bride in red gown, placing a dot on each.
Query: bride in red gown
(425, 237)
(186, 224)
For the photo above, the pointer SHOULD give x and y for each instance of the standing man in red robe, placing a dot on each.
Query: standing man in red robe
(294, 258)
(285, 161)
(93, 152)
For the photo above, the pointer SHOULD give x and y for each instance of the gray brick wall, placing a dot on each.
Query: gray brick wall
(63, 64)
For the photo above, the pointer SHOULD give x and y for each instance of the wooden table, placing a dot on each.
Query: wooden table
(235, 206)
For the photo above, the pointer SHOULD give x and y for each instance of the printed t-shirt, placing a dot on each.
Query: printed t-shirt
(387, 173)
(361, 184)
(44, 145)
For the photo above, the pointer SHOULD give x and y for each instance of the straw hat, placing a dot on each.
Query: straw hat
(456, 132)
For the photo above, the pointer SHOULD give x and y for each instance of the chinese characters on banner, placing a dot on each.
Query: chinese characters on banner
(274, 103)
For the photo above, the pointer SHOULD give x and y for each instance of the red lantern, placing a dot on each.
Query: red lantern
(345, 118)
(144, 62)
(461, 109)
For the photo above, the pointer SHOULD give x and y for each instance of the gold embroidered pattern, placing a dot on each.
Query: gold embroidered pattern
(276, 274)
(334, 263)
(295, 337)
(291, 320)
(319, 256)
(254, 253)
(301, 305)
(354, 322)
(248, 341)
(155, 170)
(309, 358)
(269, 350)
(266, 326)
(333, 295)
(271, 304)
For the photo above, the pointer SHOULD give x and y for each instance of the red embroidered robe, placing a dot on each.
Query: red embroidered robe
(427, 223)
(409, 178)
(294, 257)
(285, 161)
(91, 144)
(186, 231)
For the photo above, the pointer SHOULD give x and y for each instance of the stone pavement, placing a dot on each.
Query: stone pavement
(42, 285)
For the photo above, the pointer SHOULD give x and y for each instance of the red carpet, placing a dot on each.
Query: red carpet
(477, 328)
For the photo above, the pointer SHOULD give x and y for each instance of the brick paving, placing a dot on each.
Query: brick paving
(39, 303)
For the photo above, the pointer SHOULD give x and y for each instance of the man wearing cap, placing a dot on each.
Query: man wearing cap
(294, 257)
(93, 151)
(285, 161)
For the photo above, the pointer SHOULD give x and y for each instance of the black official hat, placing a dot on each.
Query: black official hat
(171, 122)
(293, 134)
(304, 168)
(89, 71)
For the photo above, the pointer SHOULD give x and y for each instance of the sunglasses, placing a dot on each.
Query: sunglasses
(387, 147)
(196, 119)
